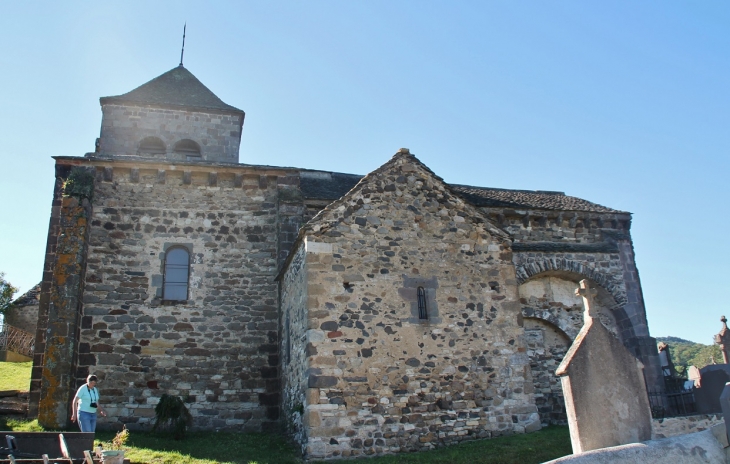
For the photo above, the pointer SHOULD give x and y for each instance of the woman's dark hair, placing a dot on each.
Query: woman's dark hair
(92, 378)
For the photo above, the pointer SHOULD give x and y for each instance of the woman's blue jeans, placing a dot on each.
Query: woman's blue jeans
(87, 421)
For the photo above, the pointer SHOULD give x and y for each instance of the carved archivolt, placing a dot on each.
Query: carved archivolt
(539, 265)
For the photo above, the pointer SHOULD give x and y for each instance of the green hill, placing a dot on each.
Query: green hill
(686, 353)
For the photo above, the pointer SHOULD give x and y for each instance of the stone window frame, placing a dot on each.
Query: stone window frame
(145, 146)
(159, 281)
(181, 149)
(409, 292)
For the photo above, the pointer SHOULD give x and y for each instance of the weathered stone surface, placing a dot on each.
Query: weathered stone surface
(348, 305)
(672, 426)
(215, 347)
(693, 448)
(604, 387)
(124, 126)
(404, 383)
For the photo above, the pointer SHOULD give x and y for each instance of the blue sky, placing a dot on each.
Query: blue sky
(621, 103)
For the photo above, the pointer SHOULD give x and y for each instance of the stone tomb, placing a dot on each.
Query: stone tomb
(603, 385)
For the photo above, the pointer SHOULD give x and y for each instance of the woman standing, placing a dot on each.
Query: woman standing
(86, 403)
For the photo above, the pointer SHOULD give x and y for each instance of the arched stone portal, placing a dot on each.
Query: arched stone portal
(553, 316)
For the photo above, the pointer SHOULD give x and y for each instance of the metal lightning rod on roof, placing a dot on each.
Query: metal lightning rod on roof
(183, 45)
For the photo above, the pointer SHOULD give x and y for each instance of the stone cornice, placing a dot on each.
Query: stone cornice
(119, 101)
(136, 163)
(535, 213)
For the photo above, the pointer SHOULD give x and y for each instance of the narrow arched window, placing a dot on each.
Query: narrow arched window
(287, 339)
(187, 147)
(422, 309)
(177, 270)
(151, 146)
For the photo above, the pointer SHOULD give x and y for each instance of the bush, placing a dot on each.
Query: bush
(79, 184)
(171, 415)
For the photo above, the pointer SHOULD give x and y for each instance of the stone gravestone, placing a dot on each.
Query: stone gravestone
(723, 339)
(714, 376)
(603, 385)
(725, 404)
(693, 375)
(707, 393)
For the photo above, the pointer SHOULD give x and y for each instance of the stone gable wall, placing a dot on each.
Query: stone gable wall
(23, 317)
(219, 349)
(380, 381)
(124, 126)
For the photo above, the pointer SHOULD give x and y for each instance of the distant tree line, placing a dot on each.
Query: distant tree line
(686, 353)
(7, 292)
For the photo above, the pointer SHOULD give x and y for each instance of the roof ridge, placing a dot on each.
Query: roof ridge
(542, 192)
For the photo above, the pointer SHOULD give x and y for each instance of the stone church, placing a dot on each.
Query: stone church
(362, 314)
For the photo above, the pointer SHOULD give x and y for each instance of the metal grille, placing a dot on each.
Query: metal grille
(422, 309)
(177, 265)
(672, 404)
(16, 340)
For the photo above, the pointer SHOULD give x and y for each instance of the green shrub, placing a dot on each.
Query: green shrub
(171, 415)
(79, 184)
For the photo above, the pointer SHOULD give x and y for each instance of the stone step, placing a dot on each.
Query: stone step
(6, 410)
(14, 405)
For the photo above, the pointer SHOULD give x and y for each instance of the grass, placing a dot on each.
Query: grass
(15, 376)
(19, 425)
(236, 448)
(549, 443)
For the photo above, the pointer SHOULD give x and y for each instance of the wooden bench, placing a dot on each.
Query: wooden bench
(35, 444)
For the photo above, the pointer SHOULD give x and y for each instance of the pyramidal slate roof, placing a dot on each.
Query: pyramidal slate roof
(177, 88)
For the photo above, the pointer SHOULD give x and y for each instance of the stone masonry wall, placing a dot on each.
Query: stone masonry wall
(23, 317)
(545, 356)
(124, 126)
(54, 231)
(381, 380)
(596, 245)
(553, 316)
(58, 364)
(533, 225)
(294, 350)
(219, 349)
(673, 426)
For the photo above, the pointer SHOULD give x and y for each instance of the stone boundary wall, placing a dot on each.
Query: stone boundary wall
(673, 426)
